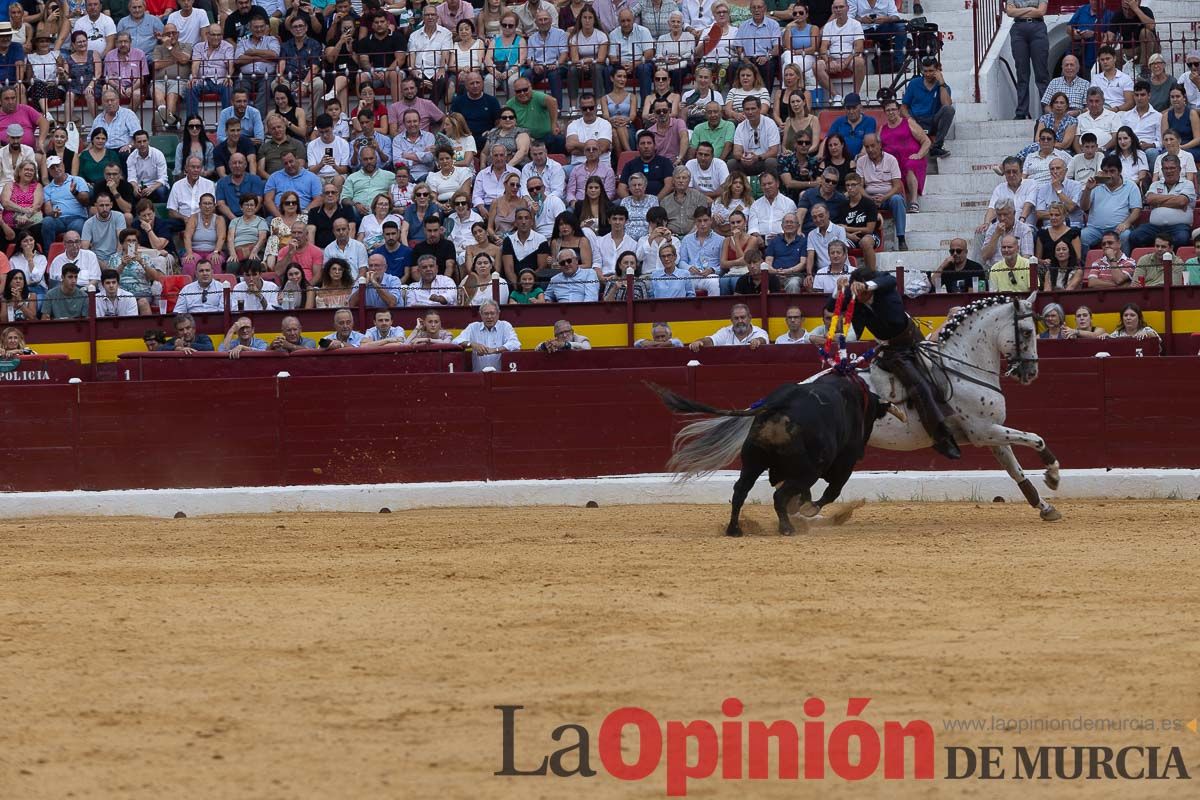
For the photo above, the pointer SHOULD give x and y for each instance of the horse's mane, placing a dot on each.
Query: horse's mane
(960, 318)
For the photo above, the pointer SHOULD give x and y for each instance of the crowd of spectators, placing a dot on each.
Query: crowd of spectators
(674, 143)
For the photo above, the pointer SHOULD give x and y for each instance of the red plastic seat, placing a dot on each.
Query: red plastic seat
(55, 249)
(625, 158)
(171, 284)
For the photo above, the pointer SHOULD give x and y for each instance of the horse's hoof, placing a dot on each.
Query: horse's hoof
(1052, 481)
(1050, 514)
(787, 531)
(733, 531)
(809, 509)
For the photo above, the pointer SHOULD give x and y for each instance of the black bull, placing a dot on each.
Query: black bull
(800, 433)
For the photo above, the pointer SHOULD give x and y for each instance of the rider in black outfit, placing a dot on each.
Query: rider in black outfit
(880, 309)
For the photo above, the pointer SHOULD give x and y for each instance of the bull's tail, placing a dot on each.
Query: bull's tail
(682, 405)
(710, 444)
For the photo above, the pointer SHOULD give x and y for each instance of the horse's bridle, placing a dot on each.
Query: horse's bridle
(1019, 360)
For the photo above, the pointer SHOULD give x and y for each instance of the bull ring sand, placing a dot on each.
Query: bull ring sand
(362, 655)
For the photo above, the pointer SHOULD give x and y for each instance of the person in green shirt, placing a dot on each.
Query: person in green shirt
(527, 289)
(67, 300)
(716, 130)
(1191, 267)
(537, 112)
(363, 186)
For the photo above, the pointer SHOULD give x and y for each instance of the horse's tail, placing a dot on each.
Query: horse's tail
(710, 444)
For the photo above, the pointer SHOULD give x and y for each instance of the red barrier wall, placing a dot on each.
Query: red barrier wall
(1126, 412)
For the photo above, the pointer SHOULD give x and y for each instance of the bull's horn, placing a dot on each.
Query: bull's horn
(897, 412)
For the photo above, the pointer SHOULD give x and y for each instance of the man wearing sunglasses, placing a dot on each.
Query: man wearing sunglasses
(957, 272)
(537, 113)
(572, 284)
(204, 295)
(824, 193)
(756, 142)
(1191, 80)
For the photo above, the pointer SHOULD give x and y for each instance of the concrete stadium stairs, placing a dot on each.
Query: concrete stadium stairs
(957, 188)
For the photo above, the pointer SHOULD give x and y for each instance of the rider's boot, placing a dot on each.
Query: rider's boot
(943, 442)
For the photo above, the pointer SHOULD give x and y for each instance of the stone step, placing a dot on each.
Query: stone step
(974, 148)
(972, 165)
(994, 129)
(976, 184)
(936, 202)
(930, 221)
(966, 111)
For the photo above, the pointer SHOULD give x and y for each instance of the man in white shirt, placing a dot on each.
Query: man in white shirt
(1116, 85)
(842, 43)
(112, 300)
(1097, 119)
(489, 338)
(795, 333)
(589, 127)
(426, 46)
(741, 332)
(770, 209)
(432, 289)
(1014, 188)
(202, 296)
(147, 169)
(756, 140)
(708, 172)
(73, 253)
(1171, 202)
(612, 244)
(252, 293)
(1145, 121)
(551, 172)
(190, 22)
(342, 246)
(184, 200)
(99, 27)
(328, 155)
(882, 23)
(657, 237)
(546, 207)
(820, 237)
(826, 280)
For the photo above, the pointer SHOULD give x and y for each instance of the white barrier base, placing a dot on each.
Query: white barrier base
(983, 485)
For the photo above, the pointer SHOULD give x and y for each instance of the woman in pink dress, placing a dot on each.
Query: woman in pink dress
(906, 140)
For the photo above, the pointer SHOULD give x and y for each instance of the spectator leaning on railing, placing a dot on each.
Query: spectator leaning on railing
(488, 338)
